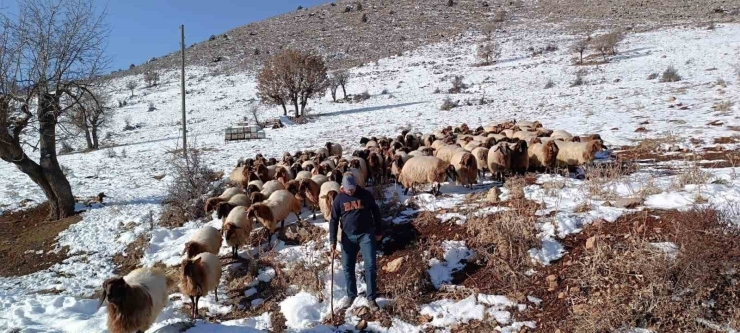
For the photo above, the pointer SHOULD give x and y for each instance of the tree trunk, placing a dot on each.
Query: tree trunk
(94, 133)
(304, 101)
(295, 103)
(334, 94)
(88, 138)
(285, 109)
(52, 180)
(344, 92)
(132, 93)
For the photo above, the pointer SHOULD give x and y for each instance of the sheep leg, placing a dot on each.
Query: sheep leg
(234, 252)
(297, 216)
(215, 293)
(192, 304)
(197, 300)
(313, 211)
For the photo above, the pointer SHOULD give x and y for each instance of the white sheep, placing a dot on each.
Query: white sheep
(211, 203)
(445, 153)
(320, 179)
(206, 239)
(562, 135)
(571, 154)
(335, 149)
(481, 159)
(542, 155)
(236, 229)
(135, 300)
(272, 186)
(198, 276)
(466, 168)
(499, 160)
(303, 175)
(425, 170)
(275, 209)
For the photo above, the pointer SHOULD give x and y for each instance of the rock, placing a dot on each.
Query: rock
(552, 282)
(394, 265)
(591, 243)
(627, 203)
(362, 311)
(425, 319)
(561, 295)
(607, 204)
(361, 325)
(674, 148)
(671, 99)
(493, 194)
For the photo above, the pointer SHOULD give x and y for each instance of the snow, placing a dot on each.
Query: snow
(612, 109)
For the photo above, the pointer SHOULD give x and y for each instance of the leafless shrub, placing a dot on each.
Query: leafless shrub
(670, 75)
(692, 175)
(364, 17)
(361, 97)
(489, 30)
(549, 84)
(437, 90)
(515, 185)
(127, 124)
(384, 92)
(111, 153)
(151, 78)
(579, 81)
(458, 85)
(723, 106)
(448, 104)
(131, 85)
(487, 53)
(186, 193)
(122, 103)
(652, 76)
(151, 107)
(607, 44)
(721, 83)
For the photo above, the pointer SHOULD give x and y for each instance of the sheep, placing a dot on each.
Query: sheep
(336, 176)
(308, 190)
(328, 165)
(275, 209)
(481, 159)
(397, 166)
(295, 169)
(411, 141)
(291, 186)
(224, 208)
(542, 155)
(519, 157)
(425, 170)
(237, 177)
(427, 139)
(437, 144)
(334, 149)
(499, 160)
(376, 167)
(198, 276)
(308, 165)
(322, 153)
(256, 197)
(560, 134)
(571, 154)
(509, 133)
(329, 191)
(271, 186)
(236, 229)
(320, 179)
(135, 300)
(211, 203)
(422, 152)
(360, 164)
(472, 145)
(262, 172)
(371, 144)
(254, 186)
(466, 168)
(206, 239)
(303, 175)
(282, 172)
(445, 153)
(524, 135)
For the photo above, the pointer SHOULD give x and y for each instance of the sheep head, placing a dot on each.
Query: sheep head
(114, 291)
(192, 249)
(271, 161)
(575, 138)
(223, 209)
(252, 188)
(336, 175)
(328, 146)
(551, 153)
(451, 172)
(308, 166)
(191, 274)
(355, 163)
(262, 212)
(468, 161)
(256, 197)
(248, 163)
(262, 172)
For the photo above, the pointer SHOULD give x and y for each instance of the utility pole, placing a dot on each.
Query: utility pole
(182, 92)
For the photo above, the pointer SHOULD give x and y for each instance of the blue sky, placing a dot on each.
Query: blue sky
(141, 29)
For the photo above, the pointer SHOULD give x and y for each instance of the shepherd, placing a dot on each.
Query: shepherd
(360, 216)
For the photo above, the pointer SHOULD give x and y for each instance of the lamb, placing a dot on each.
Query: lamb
(466, 168)
(271, 187)
(236, 229)
(206, 239)
(135, 300)
(542, 155)
(573, 154)
(211, 203)
(334, 149)
(499, 160)
(425, 170)
(308, 190)
(224, 208)
(198, 276)
(519, 157)
(275, 209)
(481, 159)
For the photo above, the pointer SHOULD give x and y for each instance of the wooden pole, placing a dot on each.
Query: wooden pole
(182, 92)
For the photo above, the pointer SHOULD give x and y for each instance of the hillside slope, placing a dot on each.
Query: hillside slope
(336, 30)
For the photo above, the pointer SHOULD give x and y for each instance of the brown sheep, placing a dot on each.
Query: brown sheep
(308, 191)
(466, 168)
(543, 155)
(198, 276)
(135, 300)
(519, 157)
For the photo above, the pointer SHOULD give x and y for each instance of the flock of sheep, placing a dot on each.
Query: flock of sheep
(269, 191)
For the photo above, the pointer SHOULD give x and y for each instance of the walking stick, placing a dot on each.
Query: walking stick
(331, 292)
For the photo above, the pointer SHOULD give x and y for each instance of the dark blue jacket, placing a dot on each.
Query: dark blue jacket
(359, 214)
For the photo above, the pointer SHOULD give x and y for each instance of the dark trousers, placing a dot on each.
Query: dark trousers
(351, 245)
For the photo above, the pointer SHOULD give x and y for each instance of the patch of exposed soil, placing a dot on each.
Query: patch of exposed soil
(712, 157)
(129, 259)
(29, 241)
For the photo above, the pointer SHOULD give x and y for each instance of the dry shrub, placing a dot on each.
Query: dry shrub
(502, 241)
(458, 85)
(627, 282)
(448, 104)
(407, 286)
(515, 185)
(670, 75)
(692, 175)
(549, 84)
(307, 276)
(599, 177)
(607, 44)
(652, 76)
(186, 193)
(579, 80)
(723, 106)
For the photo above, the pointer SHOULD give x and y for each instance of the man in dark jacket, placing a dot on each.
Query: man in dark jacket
(355, 207)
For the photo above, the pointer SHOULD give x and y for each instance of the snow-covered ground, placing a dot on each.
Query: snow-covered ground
(616, 99)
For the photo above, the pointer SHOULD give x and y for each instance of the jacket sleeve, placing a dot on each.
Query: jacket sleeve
(376, 212)
(334, 222)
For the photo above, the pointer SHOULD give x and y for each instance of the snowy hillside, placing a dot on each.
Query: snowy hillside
(616, 99)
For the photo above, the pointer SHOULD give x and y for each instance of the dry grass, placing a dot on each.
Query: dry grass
(515, 185)
(691, 175)
(408, 285)
(670, 75)
(307, 276)
(723, 106)
(601, 179)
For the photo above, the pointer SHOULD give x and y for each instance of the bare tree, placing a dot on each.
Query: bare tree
(269, 87)
(131, 85)
(89, 115)
(151, 78)
(296, 76)
(342, 78)
(487, 53)
(256, 112)
(607, 44)
(581, 46)
(489, 30)
(49, 52)
(333, 86)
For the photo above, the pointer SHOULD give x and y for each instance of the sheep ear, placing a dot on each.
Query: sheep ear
(197, 260)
